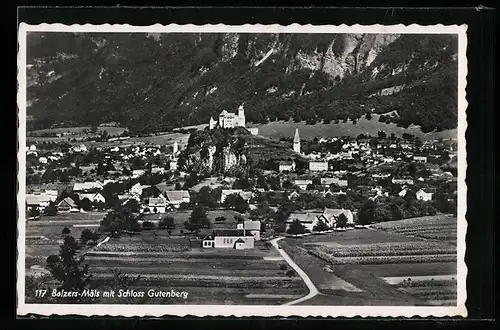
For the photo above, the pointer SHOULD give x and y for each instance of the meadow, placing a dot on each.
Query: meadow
(279, 129)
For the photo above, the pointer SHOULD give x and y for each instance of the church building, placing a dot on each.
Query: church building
(296, 141)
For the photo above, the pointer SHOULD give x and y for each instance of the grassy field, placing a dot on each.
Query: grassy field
(439, 227)
(366, 258)
(163, 139)
(281, 129)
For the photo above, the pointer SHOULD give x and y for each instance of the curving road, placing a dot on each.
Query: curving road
(313, 291)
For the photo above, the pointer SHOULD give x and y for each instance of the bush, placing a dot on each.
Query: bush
(66, 231)
(148, 225)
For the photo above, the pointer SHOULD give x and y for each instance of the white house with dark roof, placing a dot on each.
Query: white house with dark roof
(251, 226)
(67, 205)
(425, 194)
(87, 186)
(155, 205)
(302, 184)
(93, 197)
(229, 238)
(176, 197)
(330, 216)
(286, 165)
(307, 219)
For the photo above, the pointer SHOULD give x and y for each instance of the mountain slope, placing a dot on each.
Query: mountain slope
(155, 82)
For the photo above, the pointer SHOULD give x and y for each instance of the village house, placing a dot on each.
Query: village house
(330, 216)
(425, 194)
(137, 173)
(43, 160)
(37, 201)
(228, 238)
(420, 159)
(175, 198)
(51, 195)
(173, 165)
(93, 197)
(80, 148)
(307, 219)
(286, 166)
(336, 181)
(137, 189)
(157, 170)
(318, 165)
(67, 205)
(402, 181)
(246, 195)
(302, 184)
(155, 205)
(87, 186)
(251, 226)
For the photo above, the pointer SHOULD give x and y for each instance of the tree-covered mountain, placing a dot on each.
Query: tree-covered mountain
(155, 82)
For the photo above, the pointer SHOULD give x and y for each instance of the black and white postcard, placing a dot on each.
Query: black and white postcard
(253, 170)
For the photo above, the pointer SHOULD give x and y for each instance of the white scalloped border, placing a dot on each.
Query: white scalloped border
(239, 310)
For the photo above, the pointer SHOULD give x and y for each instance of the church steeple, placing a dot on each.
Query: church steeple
(296, 141)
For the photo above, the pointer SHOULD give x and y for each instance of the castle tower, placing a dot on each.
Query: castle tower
(212, 123)
(296, 141)
(241, 116)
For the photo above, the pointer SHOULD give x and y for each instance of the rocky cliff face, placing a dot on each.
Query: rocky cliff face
(155, 82)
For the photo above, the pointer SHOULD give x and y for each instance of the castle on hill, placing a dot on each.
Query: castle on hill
(229, 119)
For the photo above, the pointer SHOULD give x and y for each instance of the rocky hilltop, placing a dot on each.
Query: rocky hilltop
(151, 82)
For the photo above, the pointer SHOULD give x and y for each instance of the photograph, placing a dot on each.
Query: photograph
(256, 170)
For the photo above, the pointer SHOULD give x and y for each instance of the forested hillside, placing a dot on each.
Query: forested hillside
(156, 82)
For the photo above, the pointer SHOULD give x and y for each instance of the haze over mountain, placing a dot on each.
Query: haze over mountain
(156, 82)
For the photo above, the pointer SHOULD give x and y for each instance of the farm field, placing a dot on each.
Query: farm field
(209, 276)
(221, 276)
(383, 263)
(44, 236)
(281, 129)
(439, 227)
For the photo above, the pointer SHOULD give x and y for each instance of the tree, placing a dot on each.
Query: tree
(283, 267)
(33, 212)
(366, 213)
(66, 231)
(197, 219)
(290, 273)
(341, 221)
(85, 204)
(220, 219)
(118, 220)
(167, 222)
(67, 269)
(320, 226)
(88, 235)
(296, 228)
(236, 202)
(148, 225)
(207, 197)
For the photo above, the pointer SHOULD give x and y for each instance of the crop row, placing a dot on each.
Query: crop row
(389, 253)
(212, 283)
(142, 248)
(427, 284)
(376, 260)
(401, 246)
(174, 255)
